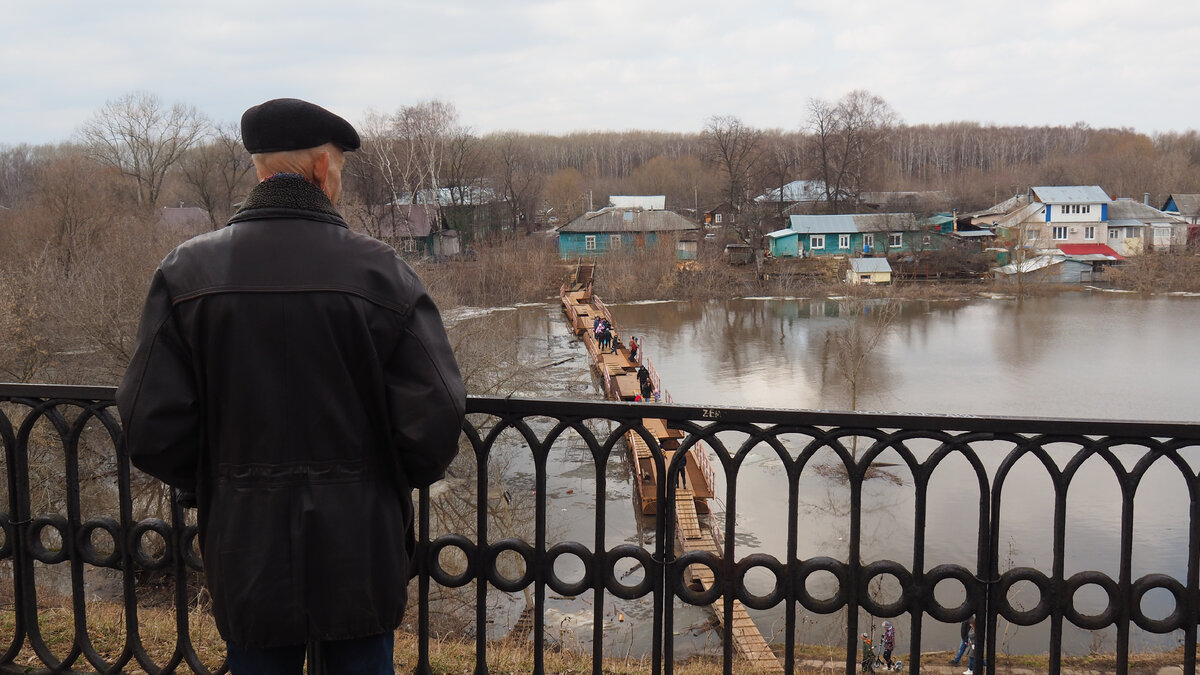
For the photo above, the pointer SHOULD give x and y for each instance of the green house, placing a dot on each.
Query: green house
(783, 243)
(861, 234)
(611, 229)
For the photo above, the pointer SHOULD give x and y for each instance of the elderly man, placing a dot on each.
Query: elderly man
(295, 376)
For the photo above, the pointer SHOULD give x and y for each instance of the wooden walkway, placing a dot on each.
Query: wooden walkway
(618, 371)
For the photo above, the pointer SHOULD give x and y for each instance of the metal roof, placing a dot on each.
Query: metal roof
(1188, 205)
(648, 202)
(1006, 206)
(1128, 209)
(795, 191)
(870, 265)
(855, 222)
(1070, 194)
(613, 220)
(1031, 265)
(780, 233)
(1089, 252)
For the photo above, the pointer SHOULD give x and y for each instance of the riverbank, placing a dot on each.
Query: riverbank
(529, 270)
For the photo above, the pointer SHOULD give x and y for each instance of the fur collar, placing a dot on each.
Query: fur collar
(288, 191)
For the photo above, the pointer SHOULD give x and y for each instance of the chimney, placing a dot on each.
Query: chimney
(1146, 199)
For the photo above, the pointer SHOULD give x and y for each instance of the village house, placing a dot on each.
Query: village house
(1069, 264)
(1049, 216)
(647, 202)
(1136, 227)
(869, 271)
(720, 215)
(914, 201)
(783, 243)
(613, 228)
(860, 234)
(414, 229)
(1185, 206)
(186, 220)
(798, 196)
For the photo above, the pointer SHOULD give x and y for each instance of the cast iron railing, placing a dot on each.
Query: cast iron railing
(67, 418)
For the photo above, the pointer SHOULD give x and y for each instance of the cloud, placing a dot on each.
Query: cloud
(558, 65)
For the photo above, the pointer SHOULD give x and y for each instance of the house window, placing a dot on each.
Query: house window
(733, 217)
(1089, 232)
(1066, 208)
(718, 219)
(1086, 208)
(1114, 233)
(895, 239)
(589, 242)
(868, 242)
(614, 241)
(843, 241)
(816, 242)
(1060, 233)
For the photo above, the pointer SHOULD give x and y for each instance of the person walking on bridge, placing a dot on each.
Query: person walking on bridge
(296, 377)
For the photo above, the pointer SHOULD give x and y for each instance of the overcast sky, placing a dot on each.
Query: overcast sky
(618, 64)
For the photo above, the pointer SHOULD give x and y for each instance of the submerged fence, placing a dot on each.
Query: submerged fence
(54, 431)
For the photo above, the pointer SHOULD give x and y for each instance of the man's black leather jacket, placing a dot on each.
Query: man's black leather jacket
(297, 377)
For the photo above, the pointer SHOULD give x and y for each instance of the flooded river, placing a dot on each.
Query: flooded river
(1080, 355)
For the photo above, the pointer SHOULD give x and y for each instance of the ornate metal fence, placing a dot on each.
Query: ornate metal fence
(71, 437)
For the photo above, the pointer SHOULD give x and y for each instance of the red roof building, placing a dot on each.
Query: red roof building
(1090, 251)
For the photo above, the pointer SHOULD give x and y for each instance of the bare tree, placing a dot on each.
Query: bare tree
(782, 160)
(847, 143)
(142, 138)
(75, 207)
(219, 173)
(734, 147)
(522, 186)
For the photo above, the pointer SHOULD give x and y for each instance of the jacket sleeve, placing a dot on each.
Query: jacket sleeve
(426, 396)
(158, 399)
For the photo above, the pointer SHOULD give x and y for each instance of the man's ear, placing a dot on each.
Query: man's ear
(321, 169)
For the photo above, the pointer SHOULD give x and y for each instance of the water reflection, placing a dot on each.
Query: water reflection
(1078, 355)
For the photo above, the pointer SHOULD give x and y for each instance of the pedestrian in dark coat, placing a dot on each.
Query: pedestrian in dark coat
(296, 377)
(645, 384)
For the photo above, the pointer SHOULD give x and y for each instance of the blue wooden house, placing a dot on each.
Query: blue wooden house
(783, 243)
(612, 228)
(860, 234)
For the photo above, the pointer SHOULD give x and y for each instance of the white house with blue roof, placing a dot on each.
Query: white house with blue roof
(1084, 214)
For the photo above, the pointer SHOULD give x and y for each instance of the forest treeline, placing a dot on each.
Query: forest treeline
(84, 222)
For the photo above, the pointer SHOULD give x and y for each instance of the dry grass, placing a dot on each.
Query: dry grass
(1158, 273)
(456, 655)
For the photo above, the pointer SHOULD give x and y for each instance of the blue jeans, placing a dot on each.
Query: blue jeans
(370, 655)
(961, 648)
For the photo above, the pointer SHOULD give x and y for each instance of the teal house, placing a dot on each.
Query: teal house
(783, 243)
(860, 234)
(612, 229)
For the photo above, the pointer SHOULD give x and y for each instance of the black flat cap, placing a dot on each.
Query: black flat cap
(291, 124)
